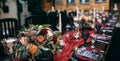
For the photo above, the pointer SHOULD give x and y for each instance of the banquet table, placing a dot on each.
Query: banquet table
(71, 44)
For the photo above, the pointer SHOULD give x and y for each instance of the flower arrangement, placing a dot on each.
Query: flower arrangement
(35, 40)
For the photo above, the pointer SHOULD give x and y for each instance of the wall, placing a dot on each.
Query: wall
(92, 4)
(47, 5)
(25, 13)
(12, 10)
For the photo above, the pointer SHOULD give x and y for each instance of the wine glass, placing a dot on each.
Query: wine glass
(104, 20)
(68, 26)
(98, 27)
(67, 29)
(76, 26)
(85, 36)
(104, 32)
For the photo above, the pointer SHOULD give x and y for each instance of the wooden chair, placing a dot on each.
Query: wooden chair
(35, 20)
(8, 28)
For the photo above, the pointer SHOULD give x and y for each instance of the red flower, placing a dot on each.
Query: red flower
(43, 31)
(40, 39)
(55, 39)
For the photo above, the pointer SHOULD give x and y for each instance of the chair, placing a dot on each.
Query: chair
(35, 20)
(8, 28)
(29, 20)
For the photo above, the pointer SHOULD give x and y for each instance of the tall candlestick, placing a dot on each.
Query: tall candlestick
(60, 23)
(115, 6)
(52, 9)
(103, 9)
(94, 12)
(77, 11)
(82, 12)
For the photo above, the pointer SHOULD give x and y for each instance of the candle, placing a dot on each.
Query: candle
(103, 9)
(94, 13)
(77, 11)
(60, 23)
(52, 9)
(96, 10)
(82, 12)
(115, 7)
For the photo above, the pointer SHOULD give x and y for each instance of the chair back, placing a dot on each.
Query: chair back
(8, 27)
(35, 20)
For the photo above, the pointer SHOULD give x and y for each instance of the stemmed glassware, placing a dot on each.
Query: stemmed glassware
(104, 32)
(98, 27)
(76, 26)
(67, 29)
(85, 36)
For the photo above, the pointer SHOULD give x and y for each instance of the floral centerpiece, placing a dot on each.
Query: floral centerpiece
(35, 42)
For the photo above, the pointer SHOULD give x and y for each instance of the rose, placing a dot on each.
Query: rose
(43, 31)
(55, 39)
(40, 39)
(32, 48)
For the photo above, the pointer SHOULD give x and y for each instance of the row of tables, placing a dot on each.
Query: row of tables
(96, 49)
